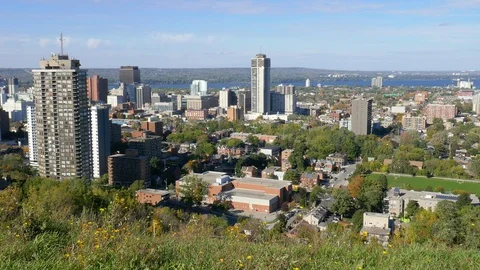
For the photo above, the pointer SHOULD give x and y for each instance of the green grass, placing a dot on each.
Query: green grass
(420, 183)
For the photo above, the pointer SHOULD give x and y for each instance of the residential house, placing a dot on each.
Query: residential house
(250, 171)
(376, 226)
(310, 180)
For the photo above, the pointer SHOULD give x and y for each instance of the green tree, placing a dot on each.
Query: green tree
(343, 203)
(357, 220)
(205, 149)
(411, 209)
(463, 200)
(156, 165)
(193, 190)
(292, 175)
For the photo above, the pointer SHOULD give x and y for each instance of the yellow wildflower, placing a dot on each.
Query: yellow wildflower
(201, 252)
(384, 252)
(221, 260)
(17, 235)
(249, 257)
(296, 268)
(102, 209)
(67, 255)
(97, 246)
(240, 265)
(359, 268)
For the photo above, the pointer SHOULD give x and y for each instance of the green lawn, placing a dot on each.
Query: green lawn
(420, 183)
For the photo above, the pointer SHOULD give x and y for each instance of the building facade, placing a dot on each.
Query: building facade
(97, 88)
(124, 169)
(32, 136)
(260, 84)
(101, 140)
(129, 74)
(62, 119)
(442, 111)
(143, 95)
(244, 100)
(234, 113)
(377, 82)
(413, 122)
(362, 116)
(199, 88)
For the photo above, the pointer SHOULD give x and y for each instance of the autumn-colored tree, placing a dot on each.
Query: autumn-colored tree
(355, 185)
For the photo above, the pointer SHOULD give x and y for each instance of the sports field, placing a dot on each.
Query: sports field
(420, 183)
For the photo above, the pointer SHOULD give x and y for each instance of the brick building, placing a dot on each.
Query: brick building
(124, 169)
(413, 122)
(442, 111)
(284, 158)
(247, 193)
(156, 127)
(310, 180)
(147, 146)
(196, 114)
(152, 196)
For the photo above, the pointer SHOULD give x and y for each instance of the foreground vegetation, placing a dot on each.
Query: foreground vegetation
(46, 224)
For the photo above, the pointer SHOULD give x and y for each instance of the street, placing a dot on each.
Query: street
(341, 178)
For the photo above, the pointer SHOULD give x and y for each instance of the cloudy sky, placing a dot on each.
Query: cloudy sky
(334, 34)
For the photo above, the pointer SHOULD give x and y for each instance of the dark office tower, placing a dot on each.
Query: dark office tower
(362, 116)
(129, 74)
(260, 79)
(97, 88)
(62, 118)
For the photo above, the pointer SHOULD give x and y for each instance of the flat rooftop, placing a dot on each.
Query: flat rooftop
(154, 191)
(211, 177)
(426, 195)
(248, 193)
(371, 214)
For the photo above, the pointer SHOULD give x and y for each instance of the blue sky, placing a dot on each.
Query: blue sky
(334, 34)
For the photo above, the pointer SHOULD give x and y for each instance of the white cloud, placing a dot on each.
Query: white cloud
(173, 38)
(93, 43)
(44, 42)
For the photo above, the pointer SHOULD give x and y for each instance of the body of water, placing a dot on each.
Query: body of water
(392, 82)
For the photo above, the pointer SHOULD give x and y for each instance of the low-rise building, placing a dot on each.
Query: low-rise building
(377, 226)
(152, 196)
(251, 171)
(196, 114)
(261, 137)
(340, 159)
(269, 172)
(316, 216)
(246, 193)
(271, 150)
(398, 200)
(284, 159)
(310, 180)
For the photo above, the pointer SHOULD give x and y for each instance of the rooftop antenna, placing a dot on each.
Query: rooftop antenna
(61, 43)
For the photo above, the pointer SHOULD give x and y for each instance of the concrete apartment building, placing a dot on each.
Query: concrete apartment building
(114, 100)
(101, 140)
(260, 84)
(32, 136)
(97, 88)
(414, 122)
(247, 193)
(12, 86)
(62, 117)
(362, 116)
(476, 104)
(283, 99)
(377, 82)
(398, 200)
(124, 169)
(227, 98)
(442, 111)
(129, 74)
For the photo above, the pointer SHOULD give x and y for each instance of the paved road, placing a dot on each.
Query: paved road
(342, 176)
(439, 178)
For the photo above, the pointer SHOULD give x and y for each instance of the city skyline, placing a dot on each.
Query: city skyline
(344, 35)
